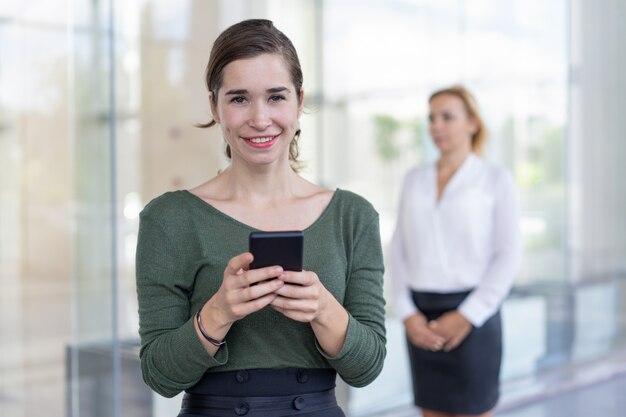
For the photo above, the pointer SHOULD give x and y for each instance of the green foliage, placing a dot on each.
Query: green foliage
(529, 174)
(417, 128)
(387, 128)
(540, 150)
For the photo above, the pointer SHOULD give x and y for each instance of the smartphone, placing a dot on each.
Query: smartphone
(277, 248)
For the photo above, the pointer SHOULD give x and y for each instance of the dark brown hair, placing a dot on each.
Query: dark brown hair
(479, 138)
(248, 39)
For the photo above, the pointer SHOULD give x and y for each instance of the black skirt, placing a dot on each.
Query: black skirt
(263, 393)
(465, 380)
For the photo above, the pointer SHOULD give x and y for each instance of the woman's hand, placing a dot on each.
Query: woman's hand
(305, 299)
(243, 291)
(302, 298)
(453, 327)
(421, 335)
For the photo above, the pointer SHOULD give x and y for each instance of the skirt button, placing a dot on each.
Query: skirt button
(242, 408)
(298, 403)
(303, 376)
(242, 376)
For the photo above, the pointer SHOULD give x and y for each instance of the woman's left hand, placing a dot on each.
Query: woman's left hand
(453, 327)
(305, 299)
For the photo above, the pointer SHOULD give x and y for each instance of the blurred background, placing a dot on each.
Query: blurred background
(98, 99)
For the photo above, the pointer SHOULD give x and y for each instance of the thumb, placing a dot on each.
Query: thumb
(237, 264)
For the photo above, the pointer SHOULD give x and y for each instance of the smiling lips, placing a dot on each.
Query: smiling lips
(261, 142)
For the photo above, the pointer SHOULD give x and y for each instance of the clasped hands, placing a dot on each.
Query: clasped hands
(445, 333)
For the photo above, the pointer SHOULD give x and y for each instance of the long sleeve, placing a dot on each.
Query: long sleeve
(496, 283)
(361, 358)
(172, 356)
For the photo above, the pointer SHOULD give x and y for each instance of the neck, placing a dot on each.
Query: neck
(451, 161)
(262, 184)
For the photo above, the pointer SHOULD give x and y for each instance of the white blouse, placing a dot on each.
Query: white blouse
(468, 240)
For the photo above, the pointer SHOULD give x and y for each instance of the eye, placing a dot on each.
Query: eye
(276, 98)
(447, 117)
(238, 99)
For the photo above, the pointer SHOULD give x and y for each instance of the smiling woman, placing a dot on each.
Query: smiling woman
(209, 323)
(238, 48)
(258, 107)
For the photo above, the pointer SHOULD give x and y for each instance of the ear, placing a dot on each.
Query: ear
(301, 101)
(214, 112)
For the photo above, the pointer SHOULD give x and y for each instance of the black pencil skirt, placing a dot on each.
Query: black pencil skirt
(465, 380)
(263, 393)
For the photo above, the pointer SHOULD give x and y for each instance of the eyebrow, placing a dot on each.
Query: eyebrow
(272, 90)
(278, 90)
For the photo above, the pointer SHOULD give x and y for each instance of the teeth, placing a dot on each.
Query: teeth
(261, 140)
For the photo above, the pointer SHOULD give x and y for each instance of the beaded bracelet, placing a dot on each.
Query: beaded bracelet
(212, 341)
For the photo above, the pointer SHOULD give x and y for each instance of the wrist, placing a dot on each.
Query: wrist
(212, 312)
(215, 342)
(416, 317)
(461, 317)
(330, 312)
(209, 324)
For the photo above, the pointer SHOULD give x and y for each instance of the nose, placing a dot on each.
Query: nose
(260, 116)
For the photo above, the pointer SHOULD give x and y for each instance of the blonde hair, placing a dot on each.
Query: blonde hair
(479, 138)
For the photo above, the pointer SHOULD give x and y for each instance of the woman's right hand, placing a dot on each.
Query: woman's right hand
(243, 291)
(420, 335)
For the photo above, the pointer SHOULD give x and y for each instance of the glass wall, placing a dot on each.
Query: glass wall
(597, 196)
(97, 105)
(35, 222)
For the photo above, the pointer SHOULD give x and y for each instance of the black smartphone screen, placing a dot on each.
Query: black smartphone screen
(277, 248)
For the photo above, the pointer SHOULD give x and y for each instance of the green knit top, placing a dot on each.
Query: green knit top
(183, 247)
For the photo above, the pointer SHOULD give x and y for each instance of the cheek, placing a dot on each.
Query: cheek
(229, 124)
(286, 118)
(468, 129)
(232, 118)
(457, 128)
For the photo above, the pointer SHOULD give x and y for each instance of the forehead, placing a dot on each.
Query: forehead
(448, 102)
(260, 72)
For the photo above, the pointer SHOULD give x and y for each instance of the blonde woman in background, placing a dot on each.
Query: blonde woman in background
(454, 255)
